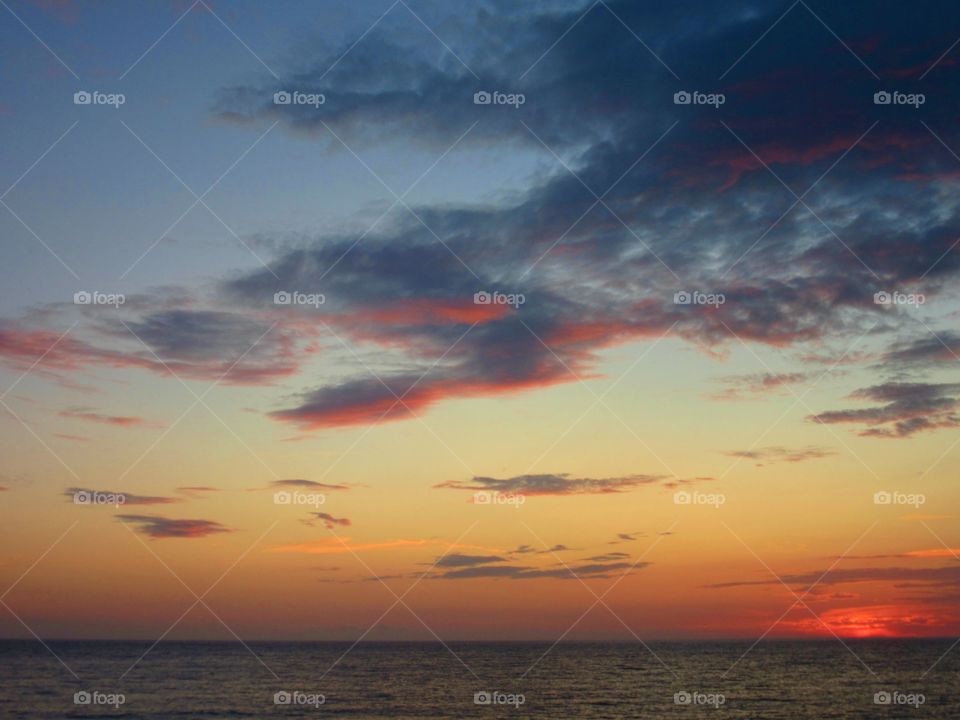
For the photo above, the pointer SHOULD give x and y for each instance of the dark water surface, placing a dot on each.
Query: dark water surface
(788, 680)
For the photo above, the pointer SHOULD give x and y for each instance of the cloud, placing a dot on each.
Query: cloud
(529, 549)
(313, 484)
(128, 498)
(229, 347)
(937, 552)
(328, 520)
(402, 290)
(932, 576)
(197, 490)
(626, 537)
(90, 415)
(520, 572)
(909, 408)
(930, 351)
(160, 527)
(757, 385)
(457, 560)
(777, 454)
(551, 484)
(10, 481)
(908, 619)
(196, 343)
(609, 557)
(697, 212)
(337, 546)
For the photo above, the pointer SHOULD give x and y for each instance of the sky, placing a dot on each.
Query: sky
(394, 321)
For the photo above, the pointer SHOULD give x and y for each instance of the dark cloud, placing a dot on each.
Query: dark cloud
(313, 484)
(930, 351)
(926, 577)
(700, 203)
(457, 560)
(626, 537)
(682, 482)
(161, 527)
(328, 520)
(519, 572)
(529, 549)
(195, 344)
(908, 408)
(550, 484)
(698, 212)
(609, 557)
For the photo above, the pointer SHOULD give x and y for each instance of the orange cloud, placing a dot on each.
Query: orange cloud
(934, 553)
(334, 546)
(877, 621)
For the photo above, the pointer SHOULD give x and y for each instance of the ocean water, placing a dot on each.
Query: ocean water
(789, 680)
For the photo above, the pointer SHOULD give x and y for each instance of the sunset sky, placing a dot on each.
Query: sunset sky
(776, 458)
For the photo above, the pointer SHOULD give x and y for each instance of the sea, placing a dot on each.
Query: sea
(780, 680)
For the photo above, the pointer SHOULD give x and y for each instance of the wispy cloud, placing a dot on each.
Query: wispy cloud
(757, 386)
(521, 572)
(328, 520)
(609, 557)
(90, 415)
(160, 527)
(777, 454)
(553, 484)
(338, 546)
(455, 560)
(197, 491)
(626, 537)
(310, 484)
(931, 576)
